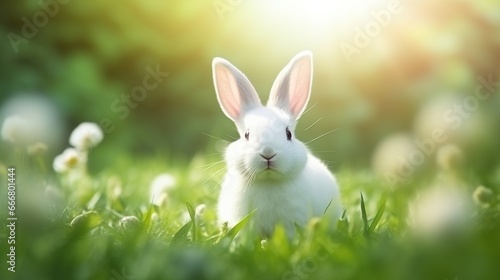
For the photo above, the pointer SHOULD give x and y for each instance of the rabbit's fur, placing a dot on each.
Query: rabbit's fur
(268, 169)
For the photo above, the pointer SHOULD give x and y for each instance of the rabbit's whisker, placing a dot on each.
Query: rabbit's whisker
(232, 137)
(324, 134)
(313, 124)
(215, 173)
(308, 109)
(208, 165)
(215, 137)
(218, 183)
(214, 154)
(324, 151)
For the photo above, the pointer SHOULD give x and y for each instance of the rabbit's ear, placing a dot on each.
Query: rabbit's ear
(292, 87)
(235, 93)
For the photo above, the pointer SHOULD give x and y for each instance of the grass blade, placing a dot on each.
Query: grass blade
(147, 218)
(192, 215)
(328, 206)
(230, 234)
(181, 235)
(380, 212)
(343, 224)
(366, 228)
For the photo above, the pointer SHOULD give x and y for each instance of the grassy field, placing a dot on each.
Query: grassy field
(104, 226)
(403, 109)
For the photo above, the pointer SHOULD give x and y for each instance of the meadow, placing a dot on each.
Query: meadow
(112, 139)
(105, 226)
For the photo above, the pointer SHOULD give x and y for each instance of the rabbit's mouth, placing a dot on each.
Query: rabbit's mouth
(269, 160)
(270, 174)
(269, 165)
(271, 168)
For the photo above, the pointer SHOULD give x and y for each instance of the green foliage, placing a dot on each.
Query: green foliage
(228, 236)
(69, 234)
(103, 224)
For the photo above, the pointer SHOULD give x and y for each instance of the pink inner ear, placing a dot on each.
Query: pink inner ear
(299, 89)
(235, 93)
(300, 86)
(231, 107)
(227, 91)
(291, 89)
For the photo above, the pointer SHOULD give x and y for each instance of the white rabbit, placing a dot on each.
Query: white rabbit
(268, 169)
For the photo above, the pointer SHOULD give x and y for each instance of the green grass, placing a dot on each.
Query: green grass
(75, 231)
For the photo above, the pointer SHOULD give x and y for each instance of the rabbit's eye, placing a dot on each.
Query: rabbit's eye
(247, 134)
(288, 134)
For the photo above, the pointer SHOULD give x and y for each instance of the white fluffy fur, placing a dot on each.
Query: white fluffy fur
(277, 177)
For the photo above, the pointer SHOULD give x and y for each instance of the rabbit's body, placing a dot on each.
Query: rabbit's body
(269, 170)
(288, 202)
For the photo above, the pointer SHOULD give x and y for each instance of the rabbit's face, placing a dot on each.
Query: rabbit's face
(267, 148)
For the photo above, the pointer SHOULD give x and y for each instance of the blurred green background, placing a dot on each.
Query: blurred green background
(387, 75)
(87, 54)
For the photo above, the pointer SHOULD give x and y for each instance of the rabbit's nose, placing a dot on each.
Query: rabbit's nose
(267, 153)
(267, 157)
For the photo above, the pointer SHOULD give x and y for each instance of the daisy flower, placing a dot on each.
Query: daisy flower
(159, 187)
(85, 136)
(15, 130)
(69, 159)
(440, 210)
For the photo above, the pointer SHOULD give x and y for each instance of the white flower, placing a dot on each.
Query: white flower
(40, 114)
(450, 157)
(200, 210)
(264, 243)
(391, 159)
(159, 187)
(159, 199)
(15, 130)
(85, 136)
(468, 128)
(129, 222)
(36, 149)
(440, 210)
(69, 159)
(155, 217)
(483, 196)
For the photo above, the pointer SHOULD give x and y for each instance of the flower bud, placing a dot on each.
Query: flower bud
(128, 223)
(483, 195)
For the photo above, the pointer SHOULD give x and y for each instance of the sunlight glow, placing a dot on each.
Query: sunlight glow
(322, 13)
(316, 23)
